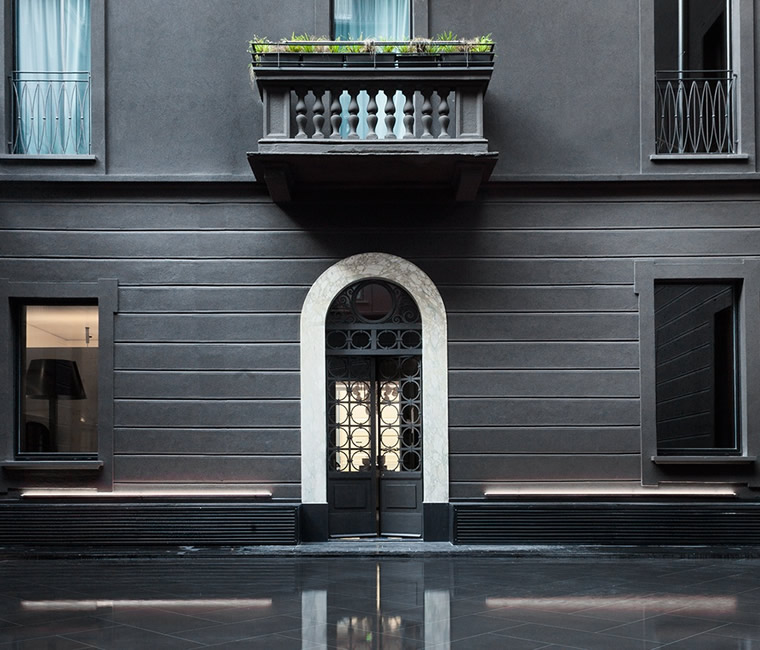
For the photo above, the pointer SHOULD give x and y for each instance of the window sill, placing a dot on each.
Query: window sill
(52, 465)
(703, 460)
(699, 157)
(85, 159)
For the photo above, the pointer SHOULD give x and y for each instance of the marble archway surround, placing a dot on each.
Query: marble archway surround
(435, 441)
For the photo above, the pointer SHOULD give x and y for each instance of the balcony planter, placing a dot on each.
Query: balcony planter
(275, 59)
(453, 59)
(416, 60)
(316, 59)
(480, 58)
(314, 52)
(368, 59)
(385, 59)
(360, 58)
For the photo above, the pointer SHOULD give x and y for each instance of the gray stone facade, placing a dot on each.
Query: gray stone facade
(206, 278)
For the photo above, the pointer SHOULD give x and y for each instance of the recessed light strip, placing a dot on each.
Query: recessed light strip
(158, 603)
(43, 493)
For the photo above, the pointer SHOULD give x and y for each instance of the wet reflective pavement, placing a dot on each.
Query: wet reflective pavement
(388, 603)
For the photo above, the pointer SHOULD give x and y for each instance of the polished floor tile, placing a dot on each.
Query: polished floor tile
(388, 603)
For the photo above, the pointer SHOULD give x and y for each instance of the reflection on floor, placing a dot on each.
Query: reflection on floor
(383, 603)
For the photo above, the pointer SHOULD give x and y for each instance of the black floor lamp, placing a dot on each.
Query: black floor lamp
(54, 379)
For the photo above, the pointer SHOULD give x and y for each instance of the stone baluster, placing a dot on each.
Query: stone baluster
(409, 113)
(427, 113)
(353, 114)
(372, 114)
(335, 118)
(301, 113)
(443, 113)
(318, 110)
(390, 115)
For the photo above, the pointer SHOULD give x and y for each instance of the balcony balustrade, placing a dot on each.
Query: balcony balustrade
(378, 120)
(51, 113)
(695, 112)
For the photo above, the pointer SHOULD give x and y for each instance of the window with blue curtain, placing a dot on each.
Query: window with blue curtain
(360, 19)
(380, 19)
(51, 77)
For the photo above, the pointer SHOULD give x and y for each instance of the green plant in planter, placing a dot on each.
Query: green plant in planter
(444, 43)
(446, 47)
(481, 44)
(295, 43)
(417, 45)
(420, 45)
(259, 45)
(354, 46)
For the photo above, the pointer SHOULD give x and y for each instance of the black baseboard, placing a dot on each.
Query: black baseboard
(601, 523)
(314, 522)
(146, 523)
(437, 522)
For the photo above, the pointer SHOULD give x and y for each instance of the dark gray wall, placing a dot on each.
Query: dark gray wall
(566, 98)
(537, 280)
(178, 85)
(543, 321)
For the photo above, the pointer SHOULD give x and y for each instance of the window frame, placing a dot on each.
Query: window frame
(64, 164)
(719, 467)
(741, 30)
(20, 469)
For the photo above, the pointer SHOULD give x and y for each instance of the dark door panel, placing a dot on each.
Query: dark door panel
(401, 504)
(353, 505)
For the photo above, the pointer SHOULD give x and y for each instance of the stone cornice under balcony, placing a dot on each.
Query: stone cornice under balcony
(314, 142)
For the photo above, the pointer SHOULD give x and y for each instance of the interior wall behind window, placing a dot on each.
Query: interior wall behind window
(59, 379)
(691, 35)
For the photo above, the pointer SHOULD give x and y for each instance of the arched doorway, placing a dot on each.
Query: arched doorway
(373, 340)
(435, 451)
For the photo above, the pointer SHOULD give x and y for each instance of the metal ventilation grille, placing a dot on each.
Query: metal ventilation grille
(690, 523)
(63, 524)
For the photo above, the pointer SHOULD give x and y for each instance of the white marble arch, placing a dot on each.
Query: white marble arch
(435, 394)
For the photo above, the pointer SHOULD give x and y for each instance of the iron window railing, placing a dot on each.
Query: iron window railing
(51, 113)
(695, 112)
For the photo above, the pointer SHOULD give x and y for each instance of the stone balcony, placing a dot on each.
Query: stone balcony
(353, 123)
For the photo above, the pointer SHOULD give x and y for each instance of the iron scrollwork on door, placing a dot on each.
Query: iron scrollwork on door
(350, 414)
(399, 417)
(373, 317)
(374, 379)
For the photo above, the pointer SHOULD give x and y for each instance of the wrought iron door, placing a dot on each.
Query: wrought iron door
(374, 412)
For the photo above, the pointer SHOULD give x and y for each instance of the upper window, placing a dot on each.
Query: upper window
(695, 83)
(58, 379)
(360, 19)
(696, 337)
(50, 84)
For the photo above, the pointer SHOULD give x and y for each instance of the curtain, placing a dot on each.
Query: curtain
(52, 77)
(360, 19)
(383, 19)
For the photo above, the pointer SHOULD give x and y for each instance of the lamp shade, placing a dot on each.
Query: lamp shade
(54, 378)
